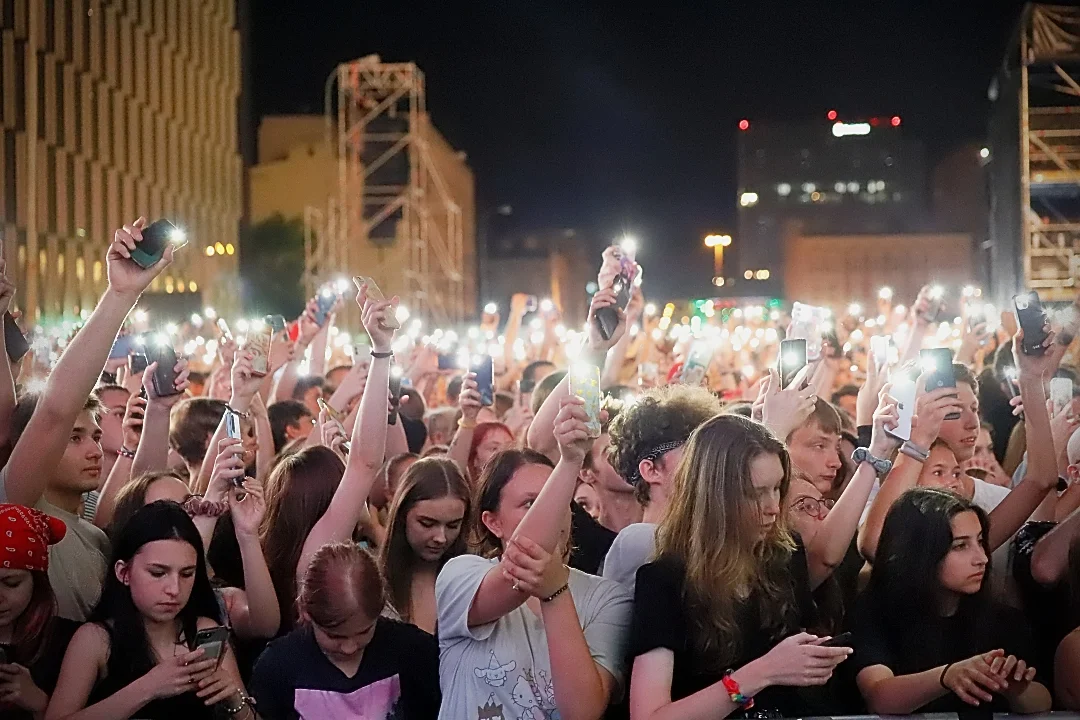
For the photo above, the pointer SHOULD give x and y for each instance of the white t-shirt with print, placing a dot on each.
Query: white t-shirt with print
(634, 546)
(503, 667)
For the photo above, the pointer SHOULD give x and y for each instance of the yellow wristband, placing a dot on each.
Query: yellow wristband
(466, 424)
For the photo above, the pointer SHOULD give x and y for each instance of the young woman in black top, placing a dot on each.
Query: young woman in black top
(32, 637)
(928, 639)
(718, 616)
(137, 655)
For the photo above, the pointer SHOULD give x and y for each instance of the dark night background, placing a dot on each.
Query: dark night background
(620, 116)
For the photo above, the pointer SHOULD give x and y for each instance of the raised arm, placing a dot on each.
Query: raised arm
(931, 409)
(469, 402)
(832, 541)
(73, 379)
(1041, 476)
(121, 472)
(153, 452)
(541, 435)
(368, 445)
(544, 528)
(7, 378)
(257, 614)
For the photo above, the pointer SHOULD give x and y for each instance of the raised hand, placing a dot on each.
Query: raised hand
(869, 394)
(572, 431)
(1037, 366)
(931, 408)
(228, 468)
(886, 417)
(374, 315)
(180, 384)
(134, 414)
(244, 384)
(247, 507)
(469, 398)
(126, 278)
(532, 569)
(331, 434)
(602, 299)
(610, 268)
(785, 410)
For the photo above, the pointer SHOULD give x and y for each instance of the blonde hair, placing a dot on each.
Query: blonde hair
(711, 531)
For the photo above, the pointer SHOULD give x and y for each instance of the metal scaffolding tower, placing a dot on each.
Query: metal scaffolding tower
(394, 218)
(1035, 158)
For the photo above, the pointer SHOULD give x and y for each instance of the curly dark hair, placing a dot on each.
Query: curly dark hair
(662, 415)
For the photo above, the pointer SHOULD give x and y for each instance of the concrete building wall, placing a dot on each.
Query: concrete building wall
(113, 110)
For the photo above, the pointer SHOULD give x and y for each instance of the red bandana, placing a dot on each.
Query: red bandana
(25, 537)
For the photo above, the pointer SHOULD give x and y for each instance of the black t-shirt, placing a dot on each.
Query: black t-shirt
(398, 677)
(591, 541)
(1047, 608)
(660, 621)
(46, 671)
(1005, 629)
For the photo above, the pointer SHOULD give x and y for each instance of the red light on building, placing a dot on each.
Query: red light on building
(831, 115)
(895, 121)
(874, 122)
(744, 124)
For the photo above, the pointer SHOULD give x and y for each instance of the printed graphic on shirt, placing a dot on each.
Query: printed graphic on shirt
(494, 675)
(490, 710)
(378, 701)
(536, 699)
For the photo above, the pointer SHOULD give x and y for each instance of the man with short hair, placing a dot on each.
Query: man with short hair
(814, 447)
(289, 420)
(57, 456)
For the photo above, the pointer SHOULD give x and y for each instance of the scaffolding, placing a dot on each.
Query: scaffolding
(395, 218)
(1035, 151)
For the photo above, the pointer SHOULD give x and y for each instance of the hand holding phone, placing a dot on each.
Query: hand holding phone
(791, 360)
(937, 363)
(483, 368)
(164, 379)
(258, 343)
(155, 239)
(212, 641)
(373, 292)
(1031, 317)
(585, 384)
(903, 391)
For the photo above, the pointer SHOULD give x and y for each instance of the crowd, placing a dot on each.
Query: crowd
(645, 517)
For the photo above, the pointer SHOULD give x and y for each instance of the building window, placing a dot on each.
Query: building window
(783, 189)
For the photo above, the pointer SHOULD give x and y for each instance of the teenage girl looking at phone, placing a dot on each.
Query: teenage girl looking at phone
(136, 655)
(32, 637)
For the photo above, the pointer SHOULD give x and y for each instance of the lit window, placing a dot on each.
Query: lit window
(749, 274)
(815, 196)
(840, 187)
(97, 271)
(747, 199)
(210, 251)
(853, 187)
(783, 189)
(193, 286)
(809, 187)
(229, 249)
(80, 268)
(60, 264)
(170, 286)
(219, 248)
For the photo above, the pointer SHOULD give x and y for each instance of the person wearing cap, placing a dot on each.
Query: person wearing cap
(32, 638)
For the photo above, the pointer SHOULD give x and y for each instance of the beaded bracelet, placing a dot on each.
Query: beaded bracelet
(735, 692)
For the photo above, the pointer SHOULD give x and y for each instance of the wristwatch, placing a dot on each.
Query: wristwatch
(862, 455)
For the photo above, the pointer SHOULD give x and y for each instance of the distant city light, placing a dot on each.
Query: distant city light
(984, 153)
(744, 124)
(748, 199)
(783, 189)
(842, 129)
(831, 115)
(895, 121)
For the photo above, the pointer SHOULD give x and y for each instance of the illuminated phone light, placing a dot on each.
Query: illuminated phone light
(872, 323)
(854, 368)
(346, 338)
(880, 319)
(177, 236)
(770, 335)
(546, 305)
(657, 334)
(928, 364)
(748, 199)
(242, 325)
(162, 340)
(473, 333)
(774, 315)
(937, 292)
(737, 313)
(219, 248)
(755, 343)
(190, 347)
(854, 309)
(885, 293)
(211, 346)
(141, 316)
(171, 329)
(536, 324)
(395, 371)
(326, 292)
(210, 313)
(900, 310)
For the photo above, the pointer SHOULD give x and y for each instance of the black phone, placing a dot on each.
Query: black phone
(1031, 317)
(324, 302)
(448, 361)
(395, 396)
(7, 654)
(155, 238)
(137, 362)
(485, 379)
(276, 323)
(607, 318)
(165, 374)
(792, 359)
(212, 641)
(17, 344)
(938, 363)
(841, 640)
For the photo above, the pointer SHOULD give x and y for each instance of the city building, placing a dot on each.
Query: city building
(834, 270)
(550, 263)
(299, 174)
(833, 175)
(113, 110)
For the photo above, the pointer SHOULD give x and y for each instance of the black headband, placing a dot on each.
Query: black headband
(652, 454)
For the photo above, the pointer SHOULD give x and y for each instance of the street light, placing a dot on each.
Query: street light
(718, 243)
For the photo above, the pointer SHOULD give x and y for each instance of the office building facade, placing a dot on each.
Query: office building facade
(114, 109)
(831, 176)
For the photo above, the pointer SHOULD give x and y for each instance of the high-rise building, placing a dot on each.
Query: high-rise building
(113, 110)
(831, 176)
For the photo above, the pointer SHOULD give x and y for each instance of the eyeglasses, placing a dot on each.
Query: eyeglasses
(813, 507)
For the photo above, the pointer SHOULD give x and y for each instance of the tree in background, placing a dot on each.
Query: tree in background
(272, 266)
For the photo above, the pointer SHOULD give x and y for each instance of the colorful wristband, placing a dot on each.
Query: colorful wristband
(735, 692)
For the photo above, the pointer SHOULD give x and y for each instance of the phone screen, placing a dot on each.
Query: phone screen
(697, 363)
(485, 379)
(903, 390)
(224, 328)
(276, 323)
(938, 364)
(792, 360)
(324, 302)
(212, 641)
(16, 342)
(232, 425)
(1031, 318)
(879, 346)
(585, 384)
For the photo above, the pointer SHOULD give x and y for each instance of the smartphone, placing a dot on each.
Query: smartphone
(903, 391)
(938, 364)
(5, 654)
(137, 361)
(324, 303)
(841, 640)
(585, 384)
(1061, 393)
(879, 347)
(276, 323)
(485, 379)
(697, 363)
(607, 318)
(212, 641)
(395, 394)
(232, 425)
(331, 413)
(1031, 317)
(223, 327)
(375, 293)
(155, 238)
(792, 359)
(258, 342)
(17, 344)
(164, 379)
(448, 361)
(806, 324)
(121, 347)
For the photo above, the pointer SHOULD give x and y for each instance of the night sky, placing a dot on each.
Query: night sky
(620, 116)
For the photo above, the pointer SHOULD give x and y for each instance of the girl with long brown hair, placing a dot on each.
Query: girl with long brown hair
(425, 531)
(717, 616)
